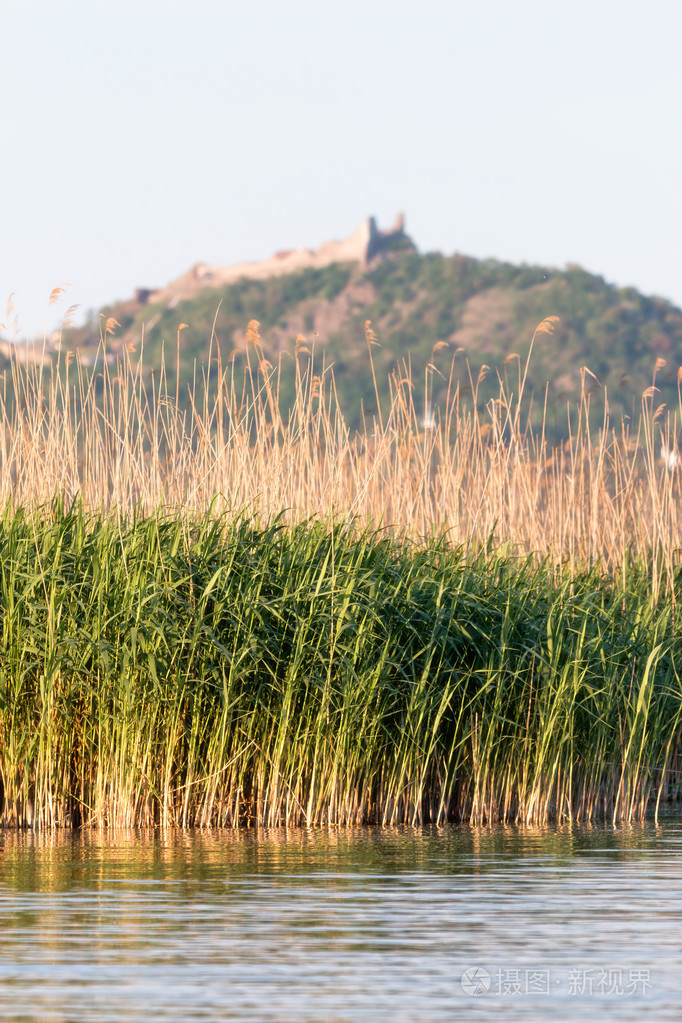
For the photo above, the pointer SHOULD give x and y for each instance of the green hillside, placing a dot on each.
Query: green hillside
(484, 309)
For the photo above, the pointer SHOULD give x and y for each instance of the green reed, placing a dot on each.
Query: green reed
(186, 669)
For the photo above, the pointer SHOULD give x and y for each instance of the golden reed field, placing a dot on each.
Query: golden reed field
(116, 438)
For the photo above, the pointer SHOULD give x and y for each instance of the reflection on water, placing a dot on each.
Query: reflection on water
(342, 924)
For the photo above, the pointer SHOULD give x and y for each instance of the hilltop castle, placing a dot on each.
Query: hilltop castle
(361, 247)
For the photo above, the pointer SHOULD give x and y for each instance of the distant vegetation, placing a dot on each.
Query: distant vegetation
(116, 437)
(486, 308)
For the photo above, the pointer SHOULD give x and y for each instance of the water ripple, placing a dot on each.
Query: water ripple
(342, 924)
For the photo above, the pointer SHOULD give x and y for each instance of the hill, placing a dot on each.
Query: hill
(425, 309)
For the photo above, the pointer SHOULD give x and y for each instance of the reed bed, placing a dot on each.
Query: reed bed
(225, 615)
(209, 672)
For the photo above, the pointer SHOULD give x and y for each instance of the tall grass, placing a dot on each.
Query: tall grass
(228, 615)
(120, 441)
(208, 671)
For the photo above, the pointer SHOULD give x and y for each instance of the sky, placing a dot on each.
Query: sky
(142, 136)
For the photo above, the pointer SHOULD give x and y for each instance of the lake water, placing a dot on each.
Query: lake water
(563, 923)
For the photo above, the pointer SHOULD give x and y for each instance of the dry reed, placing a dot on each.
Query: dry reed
(117, 438)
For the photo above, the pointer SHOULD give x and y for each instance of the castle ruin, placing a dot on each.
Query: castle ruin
(361, 247)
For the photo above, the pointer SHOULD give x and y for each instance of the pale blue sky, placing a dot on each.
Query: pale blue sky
(141, 136)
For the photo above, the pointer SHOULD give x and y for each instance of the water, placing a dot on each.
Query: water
(431, 924)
